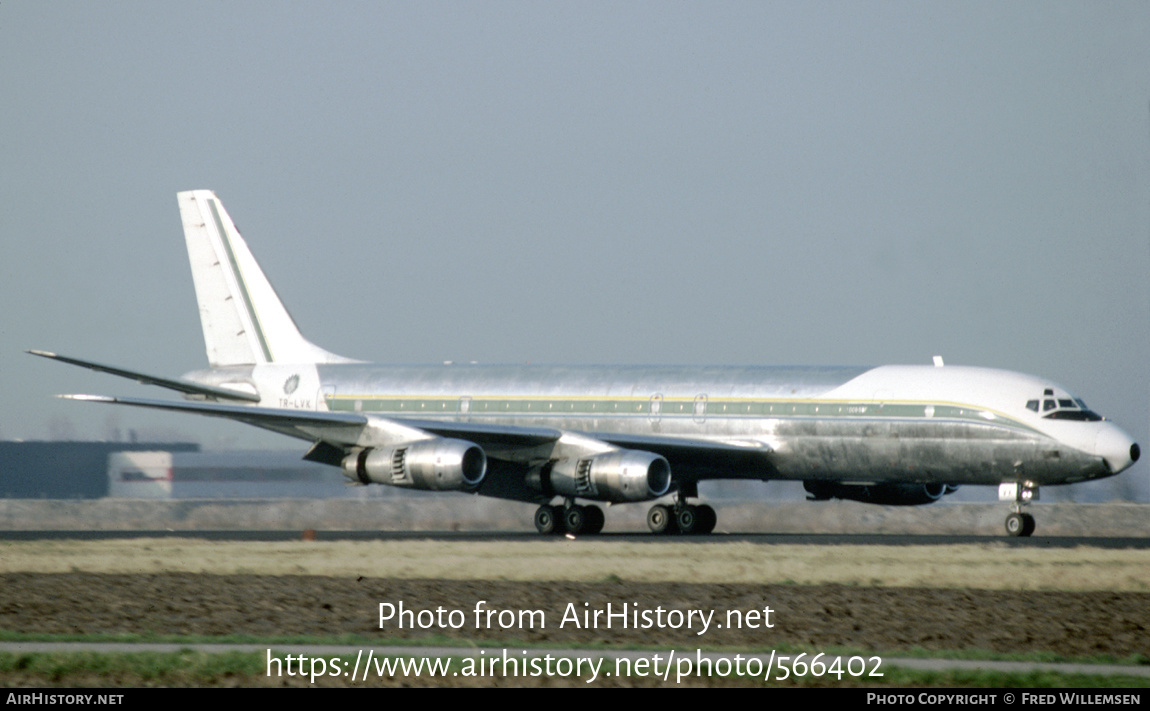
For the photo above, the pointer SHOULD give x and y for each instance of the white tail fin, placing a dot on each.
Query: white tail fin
(244, 321)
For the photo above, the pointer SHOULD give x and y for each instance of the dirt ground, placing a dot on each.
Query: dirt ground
(821, 617)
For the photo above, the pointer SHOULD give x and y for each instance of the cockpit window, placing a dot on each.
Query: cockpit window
(1081, 415)
(1062, 408)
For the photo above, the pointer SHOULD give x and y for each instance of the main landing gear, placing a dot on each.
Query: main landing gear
(681, 517)
(1018, 523)
(569, 517)
(687, 519)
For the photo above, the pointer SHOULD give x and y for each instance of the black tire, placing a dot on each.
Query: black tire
(1028, 525)
(547, 520)
(659, 520)
(575, 520)
(594, 520)
(705, 519)
(688, 519)
(1015, 525)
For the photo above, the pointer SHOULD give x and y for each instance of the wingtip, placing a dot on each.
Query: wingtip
(86, 398)
(45, 354)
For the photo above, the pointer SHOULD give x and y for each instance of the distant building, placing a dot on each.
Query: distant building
(65, 470)
(222, 475)
(169, 470)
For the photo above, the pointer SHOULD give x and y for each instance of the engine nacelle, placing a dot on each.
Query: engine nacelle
(884, 494)
(619, 475)
(437, 464)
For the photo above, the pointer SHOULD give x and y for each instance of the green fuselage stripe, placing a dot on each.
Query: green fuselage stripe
(534, 407)
(240, 281)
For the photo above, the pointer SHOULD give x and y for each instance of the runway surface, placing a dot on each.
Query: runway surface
(869, 539)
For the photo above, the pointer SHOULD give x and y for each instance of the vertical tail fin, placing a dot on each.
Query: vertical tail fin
(244, 321)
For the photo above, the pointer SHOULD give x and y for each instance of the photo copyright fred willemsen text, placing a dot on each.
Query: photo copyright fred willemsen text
(666, 665)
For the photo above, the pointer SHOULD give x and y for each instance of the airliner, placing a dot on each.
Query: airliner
(562, 437)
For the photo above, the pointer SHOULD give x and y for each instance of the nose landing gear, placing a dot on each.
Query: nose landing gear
(1018, 524)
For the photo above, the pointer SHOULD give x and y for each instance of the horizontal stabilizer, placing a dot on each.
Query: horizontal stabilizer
(184, 386)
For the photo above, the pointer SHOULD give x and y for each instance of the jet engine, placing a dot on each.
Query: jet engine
(618, 476)
(437, 464)
(884, 494)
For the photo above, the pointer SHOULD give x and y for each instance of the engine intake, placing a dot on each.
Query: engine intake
(618, 476)
(433, 465)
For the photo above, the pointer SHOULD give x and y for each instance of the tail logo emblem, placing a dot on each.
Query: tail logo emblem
(291, 384)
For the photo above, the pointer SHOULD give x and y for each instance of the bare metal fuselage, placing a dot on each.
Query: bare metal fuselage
(797, 423)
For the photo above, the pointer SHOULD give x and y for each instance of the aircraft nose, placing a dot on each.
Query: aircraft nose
(1117, 448)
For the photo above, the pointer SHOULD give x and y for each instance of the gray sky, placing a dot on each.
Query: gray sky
(585, 182)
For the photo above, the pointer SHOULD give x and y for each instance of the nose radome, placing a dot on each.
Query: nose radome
(1117, 448)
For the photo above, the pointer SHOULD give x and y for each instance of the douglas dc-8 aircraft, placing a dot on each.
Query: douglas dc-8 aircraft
(896, 434)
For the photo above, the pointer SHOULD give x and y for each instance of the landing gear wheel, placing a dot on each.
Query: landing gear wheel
(705, 519)
(548, 519)
(688, 520)
(1019, 525)
(593, 520)
(1020, 493)
(660, 520)
(575, 520)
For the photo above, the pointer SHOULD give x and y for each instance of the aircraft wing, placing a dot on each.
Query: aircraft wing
(490, 437)
(696, 459)
(690, 458)
(342, 428)
(334, 433)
